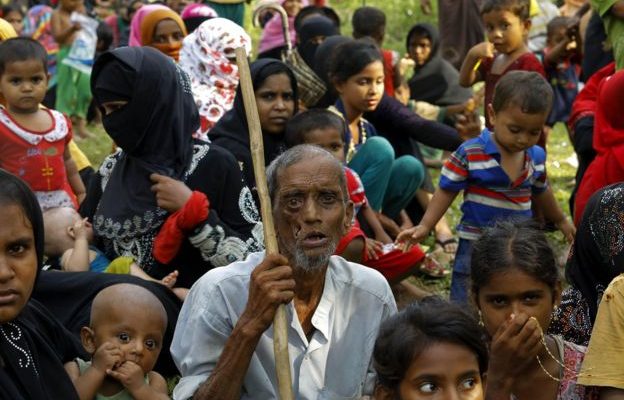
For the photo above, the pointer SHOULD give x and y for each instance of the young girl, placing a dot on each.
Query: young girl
(34, 140)
(507, 24)
(516, 287)
(73, 94)
(431, 349)
(357, 74)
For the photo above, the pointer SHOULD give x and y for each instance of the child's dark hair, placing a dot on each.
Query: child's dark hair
(512, 244)
(555, 24)
(303, 123)
(528, 90)
(404, 336)
(368, 21)
(521, 8)
(352, 57)
(104, 36)
(22, 49)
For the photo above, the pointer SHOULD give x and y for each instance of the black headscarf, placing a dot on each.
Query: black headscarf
(33, 346)
(597, 255)
(316, 25)
(437, 81)
(232, 133)
(321, 66)
(154, 130)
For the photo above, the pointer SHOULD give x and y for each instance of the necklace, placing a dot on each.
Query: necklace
(556, 359)
(352, 150)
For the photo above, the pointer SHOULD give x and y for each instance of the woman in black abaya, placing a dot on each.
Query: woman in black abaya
(33, 345)
(166, 200)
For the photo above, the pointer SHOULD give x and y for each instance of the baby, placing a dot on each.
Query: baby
(69, 238)
(124, 338)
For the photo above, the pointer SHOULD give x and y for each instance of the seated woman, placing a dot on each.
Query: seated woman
(357, 75)
(161, 28)
(275, 87)
(208, 58)
(435, 80)
(162, 180)
(33, 345)
(596, 258)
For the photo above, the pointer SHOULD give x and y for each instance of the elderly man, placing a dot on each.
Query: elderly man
(223, 343)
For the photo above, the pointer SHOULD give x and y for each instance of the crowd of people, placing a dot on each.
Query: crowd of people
(145, 276)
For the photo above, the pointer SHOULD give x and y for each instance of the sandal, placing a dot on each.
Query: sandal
(432, 268)
(444, 243)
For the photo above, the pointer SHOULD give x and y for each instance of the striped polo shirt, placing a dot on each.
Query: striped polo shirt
(489, 194)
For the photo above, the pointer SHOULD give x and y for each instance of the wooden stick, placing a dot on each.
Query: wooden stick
(280, 326)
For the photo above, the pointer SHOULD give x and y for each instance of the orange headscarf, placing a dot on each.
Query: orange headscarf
(148, 25)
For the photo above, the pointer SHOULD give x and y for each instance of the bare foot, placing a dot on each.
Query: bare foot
(80, 127)
(170, 280)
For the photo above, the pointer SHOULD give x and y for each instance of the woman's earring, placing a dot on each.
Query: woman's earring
(481, 324)
(555, 313)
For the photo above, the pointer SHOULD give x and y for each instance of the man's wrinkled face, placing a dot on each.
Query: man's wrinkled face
(311, 212)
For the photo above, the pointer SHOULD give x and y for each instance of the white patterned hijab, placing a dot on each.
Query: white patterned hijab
(208, 58)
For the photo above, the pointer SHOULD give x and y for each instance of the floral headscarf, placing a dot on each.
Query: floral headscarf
(207, 56)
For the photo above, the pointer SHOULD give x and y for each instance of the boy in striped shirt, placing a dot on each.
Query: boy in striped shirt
(500, 173)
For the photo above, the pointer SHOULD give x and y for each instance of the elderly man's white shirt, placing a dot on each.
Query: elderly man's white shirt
(336, 362)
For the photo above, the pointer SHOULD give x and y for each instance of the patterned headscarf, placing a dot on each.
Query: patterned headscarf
(37, 25)
(208, 58)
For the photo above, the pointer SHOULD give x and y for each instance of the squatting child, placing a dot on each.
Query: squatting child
(500, 172)
(33, 139)
(124, 337)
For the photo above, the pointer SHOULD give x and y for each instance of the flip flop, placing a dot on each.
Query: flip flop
(444, 243)
(432, 268)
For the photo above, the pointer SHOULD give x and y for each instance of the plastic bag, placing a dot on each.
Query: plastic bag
(82, 49)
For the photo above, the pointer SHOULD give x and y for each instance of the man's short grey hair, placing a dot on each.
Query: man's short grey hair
(293, 156)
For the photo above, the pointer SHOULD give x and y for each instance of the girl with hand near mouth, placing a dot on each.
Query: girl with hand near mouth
(516, 287)
(507, 24)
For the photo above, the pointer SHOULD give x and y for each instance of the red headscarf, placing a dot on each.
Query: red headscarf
(608, 166)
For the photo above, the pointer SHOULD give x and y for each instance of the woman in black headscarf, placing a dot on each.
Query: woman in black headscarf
(435, 80)
(163, 180)
(596, 257)
(311, 34)
(33, 345)
(275, 87)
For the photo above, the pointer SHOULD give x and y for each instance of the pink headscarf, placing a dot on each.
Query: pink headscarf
(272, 35)
(135, 24)
(198, 10)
